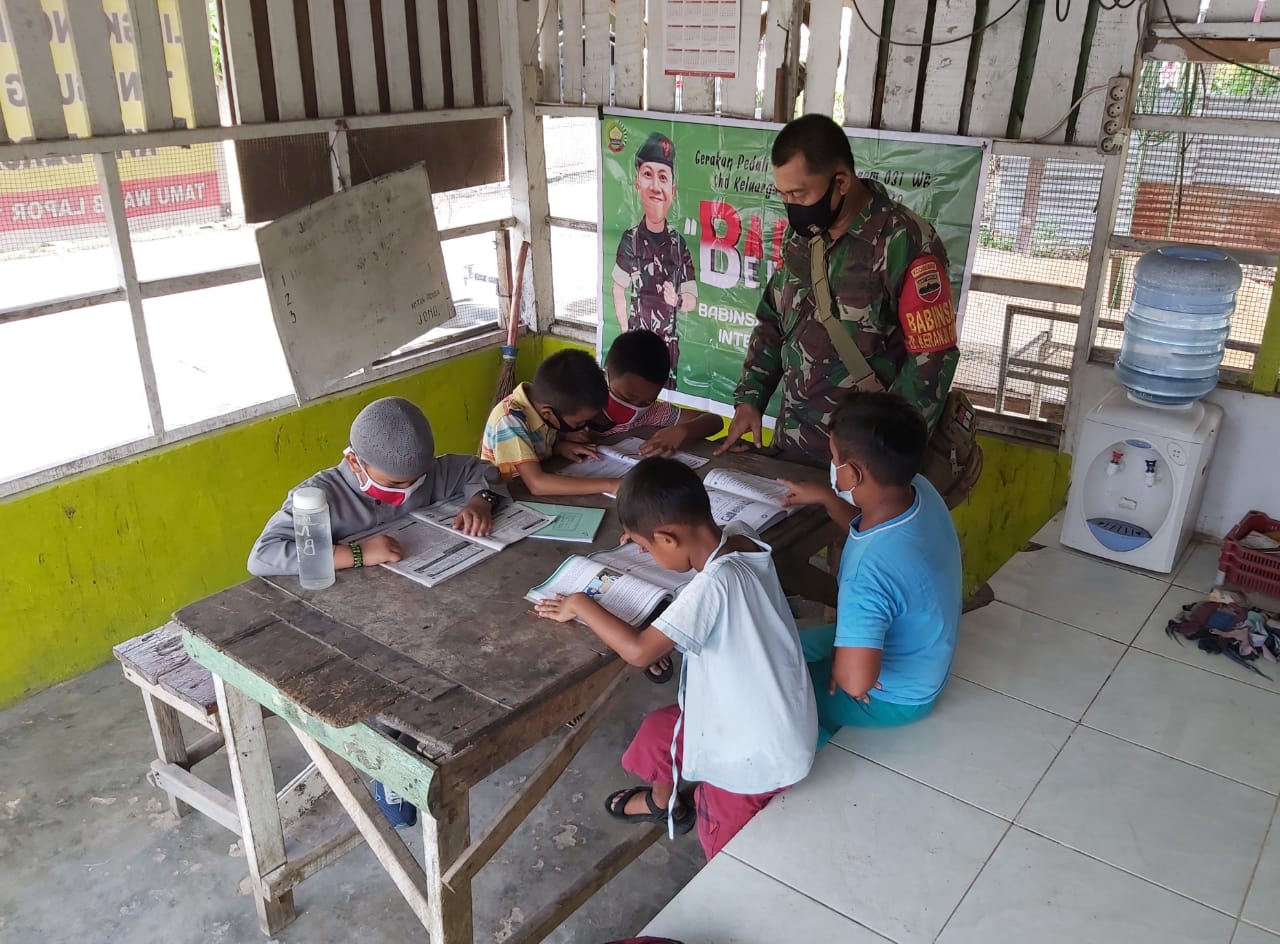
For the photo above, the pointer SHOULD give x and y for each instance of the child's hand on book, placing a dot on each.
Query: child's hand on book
(665, 442)
(475, 518)
(805, 493)
(559, 608)
(576, 451)
(380, 549)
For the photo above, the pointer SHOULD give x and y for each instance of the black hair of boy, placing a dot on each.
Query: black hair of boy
(660, 492)
(883, 432)
(642, 353)
(823, 143)
(570, 382)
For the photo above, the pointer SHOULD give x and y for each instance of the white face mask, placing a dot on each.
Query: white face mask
(844, 495)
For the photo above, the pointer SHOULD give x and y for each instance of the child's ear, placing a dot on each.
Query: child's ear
(668, 539)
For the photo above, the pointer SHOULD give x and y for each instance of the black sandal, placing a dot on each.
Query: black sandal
(615, 803)
(663, 676)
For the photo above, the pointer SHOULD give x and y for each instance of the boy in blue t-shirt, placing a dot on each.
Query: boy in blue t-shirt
(887, 658)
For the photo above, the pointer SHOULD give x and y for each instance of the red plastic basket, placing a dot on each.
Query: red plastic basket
(1248, 569)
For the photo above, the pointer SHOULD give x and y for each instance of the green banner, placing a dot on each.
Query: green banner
(725, 227)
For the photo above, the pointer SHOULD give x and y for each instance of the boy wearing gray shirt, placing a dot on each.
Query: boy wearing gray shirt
(389, 469)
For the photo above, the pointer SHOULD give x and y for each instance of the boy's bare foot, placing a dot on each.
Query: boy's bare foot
(660, 672)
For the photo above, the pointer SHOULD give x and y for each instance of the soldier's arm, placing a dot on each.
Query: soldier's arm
(919, 290)
(762, 367)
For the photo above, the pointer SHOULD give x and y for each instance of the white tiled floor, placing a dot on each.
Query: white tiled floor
(1084, 778)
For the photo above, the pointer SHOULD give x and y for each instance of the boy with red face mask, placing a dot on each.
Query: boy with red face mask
(636, 368)
(389, 469)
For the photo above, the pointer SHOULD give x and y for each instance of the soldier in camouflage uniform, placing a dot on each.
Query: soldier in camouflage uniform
(653, 260)
(888, 277)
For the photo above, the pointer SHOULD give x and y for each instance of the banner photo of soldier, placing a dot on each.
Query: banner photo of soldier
(54, 193)
(692, 229)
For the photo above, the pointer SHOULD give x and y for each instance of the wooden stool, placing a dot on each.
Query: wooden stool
(173, 684)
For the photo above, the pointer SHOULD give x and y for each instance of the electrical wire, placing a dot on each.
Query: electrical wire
(943, 42)
(1070, 111)
(1210, 53)
(1060, 11)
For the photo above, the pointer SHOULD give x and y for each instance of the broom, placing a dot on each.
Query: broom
(507, 376)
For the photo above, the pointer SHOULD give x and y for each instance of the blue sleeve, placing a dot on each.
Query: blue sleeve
(867, 605)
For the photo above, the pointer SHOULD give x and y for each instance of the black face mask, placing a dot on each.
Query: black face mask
(564, 426)
(813, 219)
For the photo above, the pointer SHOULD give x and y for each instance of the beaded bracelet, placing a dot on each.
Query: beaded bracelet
(357, 555)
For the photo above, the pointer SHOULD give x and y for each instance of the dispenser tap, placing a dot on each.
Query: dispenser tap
(1116, 463)
(1150, 474)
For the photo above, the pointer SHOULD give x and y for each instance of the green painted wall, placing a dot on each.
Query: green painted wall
(103, 556)
(97, 558)
(1021, 488)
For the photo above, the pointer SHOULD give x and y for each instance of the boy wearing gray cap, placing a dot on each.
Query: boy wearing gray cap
(389, 469)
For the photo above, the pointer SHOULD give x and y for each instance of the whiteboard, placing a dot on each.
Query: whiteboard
(355, 276)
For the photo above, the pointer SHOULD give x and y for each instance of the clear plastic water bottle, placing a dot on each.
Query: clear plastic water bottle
(1177, 326)
(315, 538)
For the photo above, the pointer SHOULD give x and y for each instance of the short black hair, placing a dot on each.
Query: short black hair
(660, 491)
(823, 143)
(642, 353)
(570, 381)
(883, 432)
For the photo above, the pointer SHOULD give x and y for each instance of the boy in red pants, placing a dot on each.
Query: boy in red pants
(745, 725)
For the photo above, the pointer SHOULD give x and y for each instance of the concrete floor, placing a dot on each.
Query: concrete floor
(90, 853)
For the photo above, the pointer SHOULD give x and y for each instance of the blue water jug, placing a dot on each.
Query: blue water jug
(1177, 326)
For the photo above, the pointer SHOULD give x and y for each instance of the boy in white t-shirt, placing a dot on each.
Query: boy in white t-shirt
(746, 723)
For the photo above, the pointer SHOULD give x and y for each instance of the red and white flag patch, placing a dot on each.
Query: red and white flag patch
(924, 307)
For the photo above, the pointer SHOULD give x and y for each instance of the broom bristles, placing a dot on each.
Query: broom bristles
(506, 382)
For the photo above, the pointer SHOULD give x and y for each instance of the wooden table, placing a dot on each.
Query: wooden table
(465, 669)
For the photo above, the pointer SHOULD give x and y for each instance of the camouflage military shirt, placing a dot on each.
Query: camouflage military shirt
(888, 280)
(645, 262)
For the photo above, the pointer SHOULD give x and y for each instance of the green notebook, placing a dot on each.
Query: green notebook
(571, 523)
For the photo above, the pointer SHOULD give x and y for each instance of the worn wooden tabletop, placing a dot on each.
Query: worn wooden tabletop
(445, 664)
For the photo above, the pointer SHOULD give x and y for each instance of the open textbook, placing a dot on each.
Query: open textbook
(432, 551)
(511, 523)
(632, 599)
(751, 499)
(431, 555)
(617, 460)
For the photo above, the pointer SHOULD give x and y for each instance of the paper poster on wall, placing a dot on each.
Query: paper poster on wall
(355, 277)
(692, 229)
(700, 37)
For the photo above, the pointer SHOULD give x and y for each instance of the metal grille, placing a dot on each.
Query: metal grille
(1038, 218)
(1016, 355)
(72, 387)
(575, 282)
(572, 150)
(1207, 90)
(53, 230)
(1037, 226)
(1206, 188)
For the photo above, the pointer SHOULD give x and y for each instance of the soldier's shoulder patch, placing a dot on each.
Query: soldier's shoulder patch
(924, 307)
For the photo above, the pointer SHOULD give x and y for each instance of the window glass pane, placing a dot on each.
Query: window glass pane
(71, 386)
(572, 148)
(576, 281)
(215, 351)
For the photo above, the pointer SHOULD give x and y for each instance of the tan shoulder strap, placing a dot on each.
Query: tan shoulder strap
(860, 372)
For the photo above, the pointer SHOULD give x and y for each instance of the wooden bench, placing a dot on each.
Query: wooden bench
(175, 685)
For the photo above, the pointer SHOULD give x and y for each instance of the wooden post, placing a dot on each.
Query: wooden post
(171, 747)
(1266, 363)
(526, 153)
(255, 791)
(446, 833)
